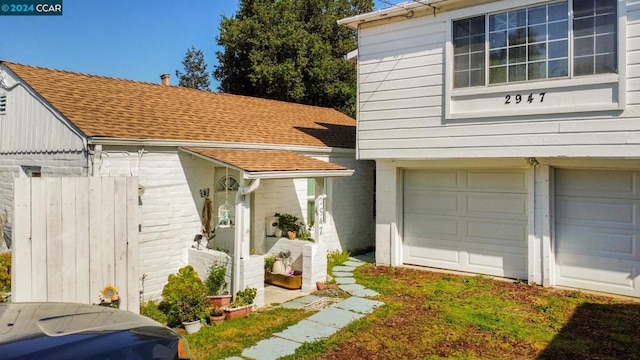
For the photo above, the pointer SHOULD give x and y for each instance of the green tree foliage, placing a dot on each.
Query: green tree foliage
(291, 50)
(195, 74)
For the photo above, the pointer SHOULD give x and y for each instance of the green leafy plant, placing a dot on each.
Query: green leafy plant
(151, 310)
(288, 222)
(5, 272)
(268, 262)
(244, 297)
(215, 311)
(183, 297)
(216, 281)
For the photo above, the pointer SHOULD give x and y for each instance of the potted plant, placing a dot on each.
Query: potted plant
(216, 283)
(183, 299)
(216, 315)
(241, 305)
(289, 224)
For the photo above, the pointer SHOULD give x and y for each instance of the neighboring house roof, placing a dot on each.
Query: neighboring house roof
(270, 163)
(124, 109)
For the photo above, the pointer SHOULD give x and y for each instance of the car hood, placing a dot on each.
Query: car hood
(24, 320)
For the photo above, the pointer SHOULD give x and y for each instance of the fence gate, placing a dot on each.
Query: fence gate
(74, 236)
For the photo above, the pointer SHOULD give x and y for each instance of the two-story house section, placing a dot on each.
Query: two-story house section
(506, 136)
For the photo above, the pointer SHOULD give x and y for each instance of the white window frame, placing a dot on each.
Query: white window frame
(615, 79)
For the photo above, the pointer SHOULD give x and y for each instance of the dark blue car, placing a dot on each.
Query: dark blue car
(80, 331)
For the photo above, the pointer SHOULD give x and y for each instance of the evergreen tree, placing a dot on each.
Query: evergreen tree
(195, 74)
(291, 50)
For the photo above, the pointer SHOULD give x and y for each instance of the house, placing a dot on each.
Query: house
(506, 136)
(204, 160)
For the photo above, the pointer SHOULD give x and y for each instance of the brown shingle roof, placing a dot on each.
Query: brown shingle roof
(266, 160)
(109, 107)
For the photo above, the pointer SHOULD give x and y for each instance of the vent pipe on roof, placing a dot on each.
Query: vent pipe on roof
(165, 79)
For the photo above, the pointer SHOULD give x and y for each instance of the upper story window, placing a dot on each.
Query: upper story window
(535, 43)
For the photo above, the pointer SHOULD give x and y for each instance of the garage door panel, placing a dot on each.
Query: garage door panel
(597, 230)
(506, 262)
(442, 180)
(496, 233)
(442, 251)
(503, 206)
(590, 183)
(496, 181)
(431, 202)
(606, 212)
(612, 243)
(436, 226)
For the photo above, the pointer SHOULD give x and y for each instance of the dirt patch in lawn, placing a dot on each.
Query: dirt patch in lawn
(432, 315)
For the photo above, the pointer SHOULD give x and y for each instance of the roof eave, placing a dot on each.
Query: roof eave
(297, 174)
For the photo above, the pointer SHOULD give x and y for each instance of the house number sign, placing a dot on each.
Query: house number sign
(519, 98)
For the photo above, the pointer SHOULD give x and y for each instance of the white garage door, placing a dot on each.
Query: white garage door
(467, 220)
(597, 233)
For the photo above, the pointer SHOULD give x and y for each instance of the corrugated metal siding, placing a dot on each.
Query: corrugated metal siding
(402, 96)
(30, 127)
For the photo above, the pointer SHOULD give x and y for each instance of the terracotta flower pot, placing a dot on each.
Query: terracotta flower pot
(216, 319)
(291, 235)
(218, 300)
(239, 312)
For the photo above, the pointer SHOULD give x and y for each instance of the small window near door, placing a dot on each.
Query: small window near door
(311, 201)
(32, 171)
(227, 183)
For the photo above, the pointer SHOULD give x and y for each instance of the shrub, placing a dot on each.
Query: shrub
(244, 297)
(183, 297)
(151, 310)
(5, 272)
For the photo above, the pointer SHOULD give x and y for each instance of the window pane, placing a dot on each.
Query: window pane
(498, 57)
(461, 79)
(538, 70)
(558, 68)
(583, 46)
(606, 23)
(606, 64)
(583, 27)
(517, 36)
(517, 73)
(477, 60)
(517, 55)
(538, 15)
(497, 40)
(461, 46)
(558, 49)
(537, 33)
(477, 77)
(605, 43)
(477, 43)
(517, 19)
(558, 11)
(460, 29)
(537, 52)
(583, 8)
(583, 66)
(498, 75)
(605, 6)
(558, 30)
(462, 62)
(476, 26)
(498, 22)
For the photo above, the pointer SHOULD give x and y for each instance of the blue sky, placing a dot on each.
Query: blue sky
(134, 39)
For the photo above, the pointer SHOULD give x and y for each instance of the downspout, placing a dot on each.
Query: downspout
(239, 231)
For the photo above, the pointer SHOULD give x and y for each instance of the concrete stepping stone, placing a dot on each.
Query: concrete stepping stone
(308, 299)
(335, 317)
(363, 293)
(353, 263)
(351, 287)
(342, 274)
(271, 349)
(358, 304)
(300, 302)
(307, 331)
(343, 268)
(234, 358)
(345, 280)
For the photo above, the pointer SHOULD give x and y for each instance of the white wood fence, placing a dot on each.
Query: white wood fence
(74, 236)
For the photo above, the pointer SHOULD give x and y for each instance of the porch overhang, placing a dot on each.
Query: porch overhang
(269, 164)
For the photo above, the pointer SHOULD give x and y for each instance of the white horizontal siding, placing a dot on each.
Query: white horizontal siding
(30, 127)
(402, 92)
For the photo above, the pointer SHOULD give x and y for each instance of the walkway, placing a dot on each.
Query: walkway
(324, 323)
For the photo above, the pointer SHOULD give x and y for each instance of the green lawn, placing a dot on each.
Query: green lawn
(429, 315)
